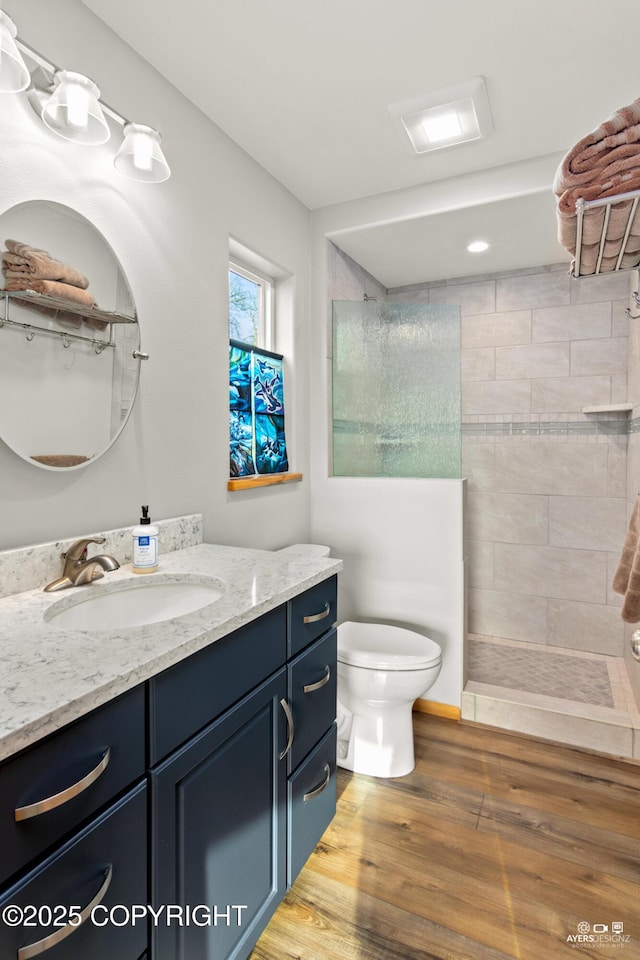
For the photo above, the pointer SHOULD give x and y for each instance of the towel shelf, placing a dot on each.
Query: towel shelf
(624, 259)
(55, 305)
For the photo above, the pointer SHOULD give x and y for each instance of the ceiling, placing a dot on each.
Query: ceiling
(305, 87)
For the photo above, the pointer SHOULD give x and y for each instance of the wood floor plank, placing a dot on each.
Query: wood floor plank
(562, 790)
(569, 839)
(493, 848)
(337, 922)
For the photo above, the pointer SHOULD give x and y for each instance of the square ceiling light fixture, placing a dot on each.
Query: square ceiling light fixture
(445, 117)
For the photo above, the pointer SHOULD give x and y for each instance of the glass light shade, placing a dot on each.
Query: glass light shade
(14, 75)
(73, 111)
(140, 157)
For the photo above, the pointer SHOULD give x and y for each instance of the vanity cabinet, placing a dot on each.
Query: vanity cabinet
(206, 787)
(240, 805)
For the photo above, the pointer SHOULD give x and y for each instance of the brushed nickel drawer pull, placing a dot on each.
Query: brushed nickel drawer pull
(310, 687)
(49, 803)
(287, 712)
(323, 785)
(314, 617)
(41, 946)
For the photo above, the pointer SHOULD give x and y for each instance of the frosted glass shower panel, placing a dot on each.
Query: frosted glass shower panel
(396, 389)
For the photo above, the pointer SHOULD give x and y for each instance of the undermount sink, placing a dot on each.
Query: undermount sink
(132, 604)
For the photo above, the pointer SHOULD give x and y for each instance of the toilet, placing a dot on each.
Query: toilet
(382, 671)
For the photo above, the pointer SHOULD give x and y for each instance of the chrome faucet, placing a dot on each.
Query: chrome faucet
(79, 568)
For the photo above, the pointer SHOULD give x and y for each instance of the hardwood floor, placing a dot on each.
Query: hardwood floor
(496, 846)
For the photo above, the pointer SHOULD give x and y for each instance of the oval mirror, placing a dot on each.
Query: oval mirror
(68, 373)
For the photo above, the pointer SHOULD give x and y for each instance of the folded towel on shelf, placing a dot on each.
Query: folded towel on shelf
(605, 163)
(608, 150)
(63, 291)
(15, 246)
(626, 580)
(24, 259)
(51, 288)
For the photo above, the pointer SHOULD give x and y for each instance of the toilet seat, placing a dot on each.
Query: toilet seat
(367, 645)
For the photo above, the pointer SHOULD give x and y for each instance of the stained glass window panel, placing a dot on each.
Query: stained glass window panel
(257, 430)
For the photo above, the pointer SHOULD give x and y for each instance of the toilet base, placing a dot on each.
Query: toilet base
(380, 743)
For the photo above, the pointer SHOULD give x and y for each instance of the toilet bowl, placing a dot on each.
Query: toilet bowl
(382, 670)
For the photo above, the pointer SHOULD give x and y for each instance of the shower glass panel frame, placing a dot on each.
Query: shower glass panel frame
(396, 390)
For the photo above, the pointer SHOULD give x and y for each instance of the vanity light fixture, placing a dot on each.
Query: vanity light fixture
(140, 156)
(69, 105)
(445, 117)
(14, 75)
(73, 110)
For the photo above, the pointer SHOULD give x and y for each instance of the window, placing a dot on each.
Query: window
(250, 307)
(258, 448)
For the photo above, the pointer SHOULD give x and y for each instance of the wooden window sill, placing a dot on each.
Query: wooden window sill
(265, 480)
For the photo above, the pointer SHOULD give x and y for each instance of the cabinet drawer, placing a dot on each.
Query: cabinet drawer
(53, 787)
(188, 696)
(311, 690)
(312, 803)
(103, 866)
(312, 614)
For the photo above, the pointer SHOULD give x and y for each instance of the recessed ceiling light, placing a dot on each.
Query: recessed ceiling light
(442, 126)
(478, 246)
(454, 115)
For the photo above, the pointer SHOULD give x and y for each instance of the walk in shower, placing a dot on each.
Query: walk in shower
(547, 418)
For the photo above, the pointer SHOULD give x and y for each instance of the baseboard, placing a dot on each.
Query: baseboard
(437, 709)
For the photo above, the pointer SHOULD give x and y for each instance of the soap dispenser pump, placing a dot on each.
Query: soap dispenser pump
(145, 545)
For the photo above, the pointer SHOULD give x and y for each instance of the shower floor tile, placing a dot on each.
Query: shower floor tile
(534, 668)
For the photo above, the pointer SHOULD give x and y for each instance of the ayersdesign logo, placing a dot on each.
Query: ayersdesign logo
(599, 934)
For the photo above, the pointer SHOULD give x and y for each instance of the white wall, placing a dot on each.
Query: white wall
(402, 545)
(172, 241)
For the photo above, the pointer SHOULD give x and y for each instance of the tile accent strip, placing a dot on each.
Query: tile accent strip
(614, 427)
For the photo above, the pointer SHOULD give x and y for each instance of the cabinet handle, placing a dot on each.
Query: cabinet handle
(323, 785)
(287, 712)
(35, 949)
(49, 803)
(310, 687)
(314, 617)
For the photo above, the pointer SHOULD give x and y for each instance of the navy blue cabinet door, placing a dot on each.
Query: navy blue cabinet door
(219, 839)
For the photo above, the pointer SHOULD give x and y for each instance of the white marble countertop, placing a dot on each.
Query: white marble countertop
(50, 676)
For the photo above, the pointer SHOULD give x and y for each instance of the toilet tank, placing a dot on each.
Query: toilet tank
(307, 549)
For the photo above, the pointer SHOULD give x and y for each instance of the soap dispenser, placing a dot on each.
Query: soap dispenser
(145, 545)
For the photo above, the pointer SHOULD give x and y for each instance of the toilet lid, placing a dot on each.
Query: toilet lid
(378, 646)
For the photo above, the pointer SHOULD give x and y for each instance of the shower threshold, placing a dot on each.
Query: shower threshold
(567, 696)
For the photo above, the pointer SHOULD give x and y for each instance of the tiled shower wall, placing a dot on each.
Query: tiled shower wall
(547, 507)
